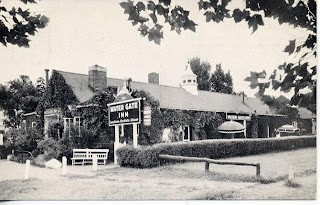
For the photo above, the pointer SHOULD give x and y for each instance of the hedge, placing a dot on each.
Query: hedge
(147, 157)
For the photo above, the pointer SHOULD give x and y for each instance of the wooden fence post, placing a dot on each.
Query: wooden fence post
(258, 170)
(94, 162)
(64, 165)
(26, 171)
(206, 167)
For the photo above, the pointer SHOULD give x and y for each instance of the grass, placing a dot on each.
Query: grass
(292, 183)
(169, 182)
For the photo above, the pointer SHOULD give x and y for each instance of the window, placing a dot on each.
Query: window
(67, 122)
(184, 81)
(33, 124)
(186, 134)
(194, 81)
(189, 81)
(295, 124)
(78, 122)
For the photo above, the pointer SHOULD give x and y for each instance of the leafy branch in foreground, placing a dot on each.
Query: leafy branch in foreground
(299, 76)
(17, 25)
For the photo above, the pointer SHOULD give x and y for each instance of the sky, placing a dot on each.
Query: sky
(81, 34)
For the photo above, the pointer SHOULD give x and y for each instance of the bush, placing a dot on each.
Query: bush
(21, 139)
(72, 139)
(146, 157)
(4, 151)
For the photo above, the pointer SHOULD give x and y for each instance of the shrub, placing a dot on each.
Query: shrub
(72, 139)
(21, 140)
(4, 151)
(146, 157)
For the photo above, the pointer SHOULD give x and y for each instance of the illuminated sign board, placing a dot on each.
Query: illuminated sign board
(237, 116)
(125, 112)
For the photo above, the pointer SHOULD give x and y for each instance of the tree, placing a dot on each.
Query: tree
(281, 105)
(17, 97)
(221, 82)
(17, 25)
(202, 70)
(229, 83)
(58, 95)
(299, 76)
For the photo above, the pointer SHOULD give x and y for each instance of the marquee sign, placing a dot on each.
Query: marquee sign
(125, 112)
(238, 116)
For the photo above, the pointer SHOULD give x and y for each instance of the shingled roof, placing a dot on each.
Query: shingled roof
(174, 97)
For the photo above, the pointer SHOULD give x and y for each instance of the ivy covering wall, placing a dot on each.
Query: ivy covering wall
(57, 95)
(204, 124)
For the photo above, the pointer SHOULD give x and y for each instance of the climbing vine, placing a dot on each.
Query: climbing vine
(57, 95)
(152, 134)
(204, 123)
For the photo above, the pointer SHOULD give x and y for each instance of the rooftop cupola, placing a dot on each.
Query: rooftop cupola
(189, 80)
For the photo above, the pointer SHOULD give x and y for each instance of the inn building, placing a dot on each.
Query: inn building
(185, 96)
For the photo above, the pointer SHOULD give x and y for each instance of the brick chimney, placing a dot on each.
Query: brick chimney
(97, 79)
(153, 78)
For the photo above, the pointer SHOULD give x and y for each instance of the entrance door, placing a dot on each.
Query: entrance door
(186, 134)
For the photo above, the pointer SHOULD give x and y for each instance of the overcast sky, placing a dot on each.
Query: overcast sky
(81, 34)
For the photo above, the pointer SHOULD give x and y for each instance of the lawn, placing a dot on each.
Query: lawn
(175, 181)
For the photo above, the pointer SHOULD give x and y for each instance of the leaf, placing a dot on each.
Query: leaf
(311, 41)
(209, 15)
(140, 6)
(143, 29)
(126, 6)
(3, 41)
(153, 17)
(290, 48)
(142, 19)
(224, 3)
(3, 8)
(160, 9)
(281, 67)
(165, 2)
(298, 49)
(44, 19)
(204, 5)
(155, 35)
(190, 25)
(239, 15)
(151, 6)
(254, 21)
(214, 3)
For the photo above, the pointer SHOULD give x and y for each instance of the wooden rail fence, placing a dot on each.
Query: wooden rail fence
(208, 161)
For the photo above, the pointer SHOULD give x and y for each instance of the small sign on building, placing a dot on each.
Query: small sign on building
(238, 116)
(147, 116)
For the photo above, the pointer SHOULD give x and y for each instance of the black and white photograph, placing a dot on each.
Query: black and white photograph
(138, 100)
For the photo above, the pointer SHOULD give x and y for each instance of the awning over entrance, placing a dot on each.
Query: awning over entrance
(231, 127)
